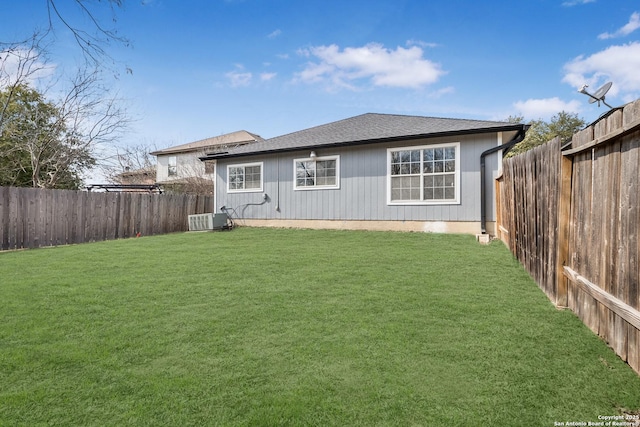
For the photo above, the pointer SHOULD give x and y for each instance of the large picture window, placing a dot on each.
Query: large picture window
(424, 175)
(317, 173)
(246, 177)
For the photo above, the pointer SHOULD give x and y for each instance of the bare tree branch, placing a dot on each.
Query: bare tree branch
(92, 43)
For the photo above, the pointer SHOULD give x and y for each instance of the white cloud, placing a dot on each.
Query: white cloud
(420, 43)
(23, 64)
(441, 92)
(265, 77)
(625, 30)
(274, 34)
(241, 78)
(238, 79)
(403, 68)
(545, 108)
(571, 3)
(619, 64)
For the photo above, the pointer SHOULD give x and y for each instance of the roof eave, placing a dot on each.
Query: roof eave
(165, 152)
(194, 149)
(229, 155)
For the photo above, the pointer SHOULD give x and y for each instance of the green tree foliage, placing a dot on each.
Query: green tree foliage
(562, 124)
(37, 147)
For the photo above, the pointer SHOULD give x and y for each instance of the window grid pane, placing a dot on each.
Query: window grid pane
(236, 178)
(439, 186)
(436, 174)
(319, 173)
(406, 162)
(405, 188)
(252, 177)
(245, 177)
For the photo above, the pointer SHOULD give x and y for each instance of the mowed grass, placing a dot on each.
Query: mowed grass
(294, 327)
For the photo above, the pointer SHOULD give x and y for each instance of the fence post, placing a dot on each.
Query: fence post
(564, 217)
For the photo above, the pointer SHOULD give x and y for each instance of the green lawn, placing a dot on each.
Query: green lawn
(294, 327)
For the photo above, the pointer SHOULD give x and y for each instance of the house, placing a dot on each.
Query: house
(179, 168)
(373, 171)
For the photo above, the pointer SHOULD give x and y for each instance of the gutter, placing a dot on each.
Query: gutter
(506, 147)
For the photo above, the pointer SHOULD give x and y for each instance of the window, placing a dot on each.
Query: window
(210, 167)
(424, 175)
(245, 177)
(172, 169)
(317, 173)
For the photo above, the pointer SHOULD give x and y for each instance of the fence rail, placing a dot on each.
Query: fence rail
(31, 218)
(571, 217)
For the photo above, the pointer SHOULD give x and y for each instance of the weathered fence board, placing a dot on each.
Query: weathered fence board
(31, 218)
(577, 210)
(530, 190)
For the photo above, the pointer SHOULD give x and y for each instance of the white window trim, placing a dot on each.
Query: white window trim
(245, 165)
(456, 201)
(317, 187)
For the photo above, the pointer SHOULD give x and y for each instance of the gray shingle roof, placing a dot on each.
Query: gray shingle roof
(367, 128)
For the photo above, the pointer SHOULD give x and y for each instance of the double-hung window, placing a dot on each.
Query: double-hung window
(317, 173)
(244, 177)
(172, 167)
(424, 175)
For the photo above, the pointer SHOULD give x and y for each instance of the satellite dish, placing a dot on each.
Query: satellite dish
(598, 95)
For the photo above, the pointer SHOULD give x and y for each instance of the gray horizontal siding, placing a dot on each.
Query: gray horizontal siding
(363, 186)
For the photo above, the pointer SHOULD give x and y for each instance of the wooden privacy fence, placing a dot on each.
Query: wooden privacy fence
(572, 216)
(529, 193)
(31, 217)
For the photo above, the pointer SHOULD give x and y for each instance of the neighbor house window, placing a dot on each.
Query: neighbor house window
(424, 175)
(317, 173)
(172, 169)
(245, 177)
(209, 167)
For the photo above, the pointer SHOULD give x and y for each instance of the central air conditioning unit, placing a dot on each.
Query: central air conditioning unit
(201, 222)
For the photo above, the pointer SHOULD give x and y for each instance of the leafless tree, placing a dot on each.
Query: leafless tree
(91, 117)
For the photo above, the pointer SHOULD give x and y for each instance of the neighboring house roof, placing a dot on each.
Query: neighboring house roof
(365, 129)
(209, 144)
(137, 176)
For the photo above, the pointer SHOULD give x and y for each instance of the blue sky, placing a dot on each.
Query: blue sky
(203, 68)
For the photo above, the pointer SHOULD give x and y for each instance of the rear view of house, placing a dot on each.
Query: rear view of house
(373, 171)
